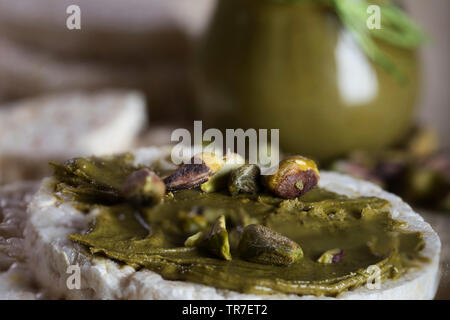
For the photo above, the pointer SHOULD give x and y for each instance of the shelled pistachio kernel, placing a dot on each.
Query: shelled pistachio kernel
(262, 245)
(201, 168)
(219, 180)
(331, 256)
(295, 176)
(215, 240)
(143, 186)
(244, 179)
(194, 240)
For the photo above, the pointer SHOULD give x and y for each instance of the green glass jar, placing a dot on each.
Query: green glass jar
(296, 68)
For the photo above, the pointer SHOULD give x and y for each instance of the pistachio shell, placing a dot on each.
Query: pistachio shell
(262, 245)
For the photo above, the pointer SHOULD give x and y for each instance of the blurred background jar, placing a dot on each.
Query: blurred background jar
(295, 67)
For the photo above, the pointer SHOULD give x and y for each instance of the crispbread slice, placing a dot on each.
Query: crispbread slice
(50, 253)
(60, 126)
(15, 278)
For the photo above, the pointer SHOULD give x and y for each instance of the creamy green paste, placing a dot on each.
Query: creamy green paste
(153, 237)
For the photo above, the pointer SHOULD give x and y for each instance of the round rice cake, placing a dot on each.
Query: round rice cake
(50, 252)
(16, 281)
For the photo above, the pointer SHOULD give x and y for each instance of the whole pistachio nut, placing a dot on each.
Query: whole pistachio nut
(244, 179)
(202, 167)
(215, 240)
(143, 187)
(219, 180)
(262, 245)
(296, 175)
(331, 256)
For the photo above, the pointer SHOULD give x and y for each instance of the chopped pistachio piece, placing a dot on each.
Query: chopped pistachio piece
(262, 245)
(244, 180)
(368, 212)
(296, 175)
(219, 181)
(194, 240)
(143, 186)
(331, 256)
(215, 240)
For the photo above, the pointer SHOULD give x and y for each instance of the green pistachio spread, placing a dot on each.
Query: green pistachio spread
(153, 237)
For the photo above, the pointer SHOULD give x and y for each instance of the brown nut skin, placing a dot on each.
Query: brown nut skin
(295, 176)
(262, 245)
(143, 187)
(188, 176)
(244, 179)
